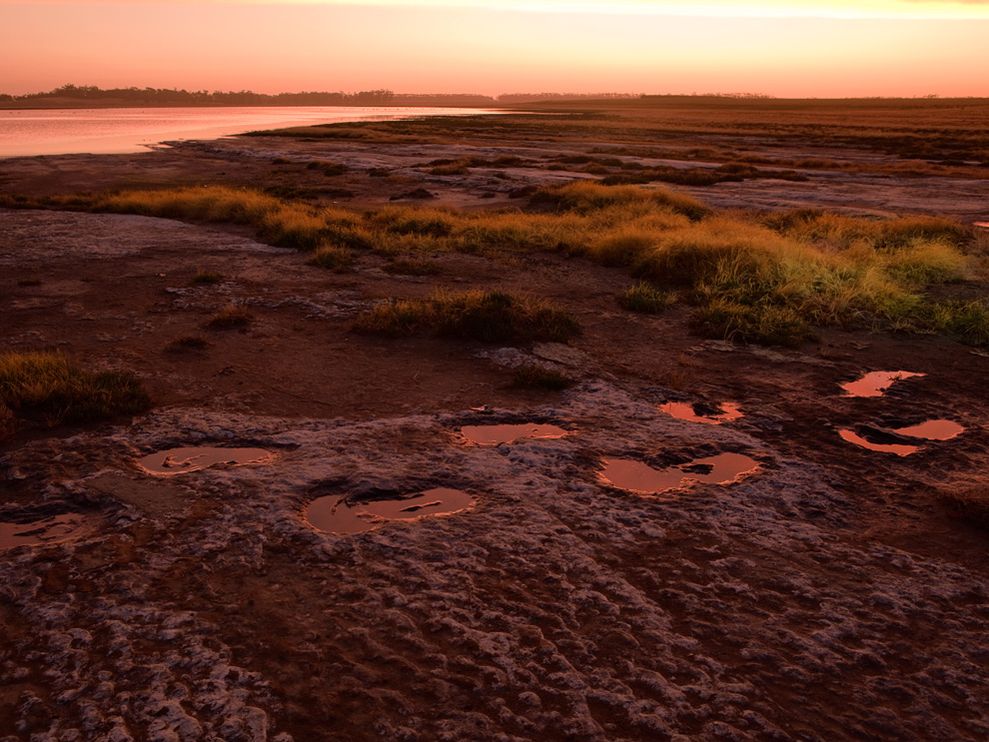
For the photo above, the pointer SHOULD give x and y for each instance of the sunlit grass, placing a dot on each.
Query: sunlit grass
(771, 278)
(49, 389)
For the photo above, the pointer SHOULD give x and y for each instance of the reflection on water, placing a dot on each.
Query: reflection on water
(333, 514)
(933, 430)
(123, 130)
(900, 449)
(695, 413)
(184, 460)
(876, 383)
(46, 531)
(495, 435)
(640, 478)
(981, 225)
(890, 441)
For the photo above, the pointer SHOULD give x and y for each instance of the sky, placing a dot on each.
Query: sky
(821, 48)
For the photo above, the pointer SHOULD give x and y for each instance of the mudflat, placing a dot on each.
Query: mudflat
(780, 581)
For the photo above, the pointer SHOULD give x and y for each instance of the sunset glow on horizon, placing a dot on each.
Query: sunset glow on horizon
(816, 49)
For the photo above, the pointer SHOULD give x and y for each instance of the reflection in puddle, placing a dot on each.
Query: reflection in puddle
(933, 430)
(184, 460)
(725, 413)
(495, 435)
(890, 441)
(981, 225)
(900, 449)
(52, 530)
(333, 514)
(635, 476)
(876, 383)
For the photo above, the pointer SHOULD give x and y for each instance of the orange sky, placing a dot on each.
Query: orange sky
(817, 48)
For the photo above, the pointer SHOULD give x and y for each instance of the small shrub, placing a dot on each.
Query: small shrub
(49, 389)
(338, 259)
(206, 278)
(8, 423)
(485, 316)
(647, 299)
(970, 506)
(413, 267)
(329, 169)
(188, 342)
(539, 377)
(231, 317)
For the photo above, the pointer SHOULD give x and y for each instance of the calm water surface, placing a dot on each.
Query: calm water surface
(123, 130)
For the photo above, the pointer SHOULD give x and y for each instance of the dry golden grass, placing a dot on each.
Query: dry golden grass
(49, 389)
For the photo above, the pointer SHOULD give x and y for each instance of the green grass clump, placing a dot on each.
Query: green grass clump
(49, 389)
(965, 321)
(485, 316)
(766, 325)
(647, 299)
(539, 377)
(231, 317)
(206, 278)
(337, 259)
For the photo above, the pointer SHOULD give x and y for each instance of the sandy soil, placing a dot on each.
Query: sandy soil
(827, 596)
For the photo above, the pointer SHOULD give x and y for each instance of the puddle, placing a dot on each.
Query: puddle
(495, 435)
(635, 476)
(891, 441)
(933, 430)
(184, 460)
(55, 529)
(981, 225)
(876, 383)
(333, 514)
(699, 413)
(900, 449)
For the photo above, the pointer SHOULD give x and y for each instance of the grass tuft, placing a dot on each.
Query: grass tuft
(330, 257)
(539, 377)
(49, 389)
(647, 299)
(485, 316)
(231, 317)
(206, 278)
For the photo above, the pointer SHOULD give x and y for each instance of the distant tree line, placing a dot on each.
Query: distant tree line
(74, 96)
(91, 95)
